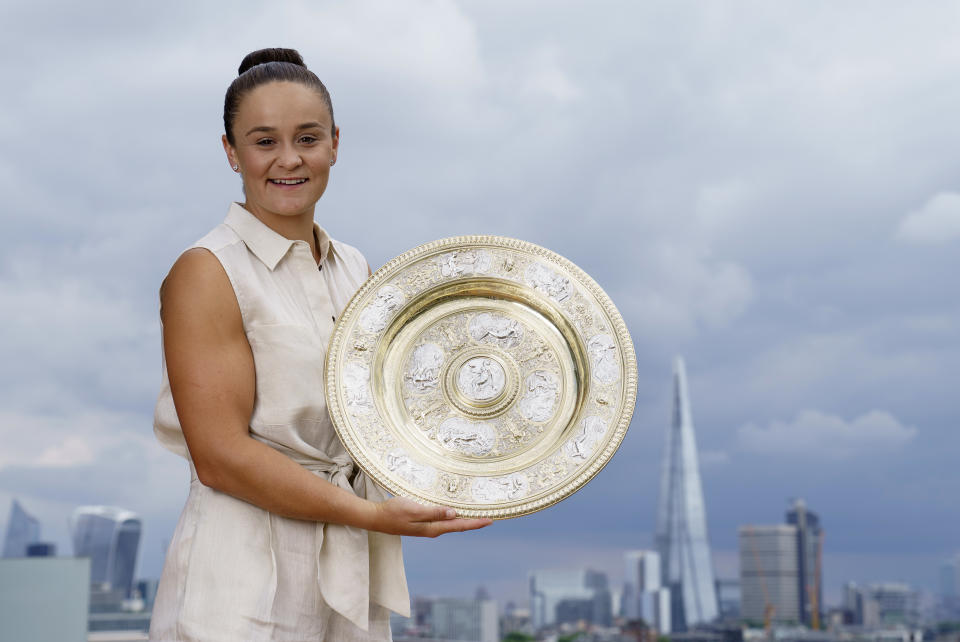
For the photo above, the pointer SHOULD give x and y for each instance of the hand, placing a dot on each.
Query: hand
(402, 516)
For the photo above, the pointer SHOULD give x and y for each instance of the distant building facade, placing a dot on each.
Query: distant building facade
(110, 537)
(644, 596)
(882, 604)
(23, 529)
(568, 596)
(682, 541)
(769, 575)
(728, 597)
(44, 598)
(447, 618)
(515, 620)
(949, 607)
(780, 575)
(465, 619)
(809, 552)
(42, 549)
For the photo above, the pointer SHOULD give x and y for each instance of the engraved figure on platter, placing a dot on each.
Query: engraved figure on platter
(452, 485)
(468, 437)
(423, 370)
(417, 474)
(464, 262)
(356, 383)
(506, 332)
(555, 286)
(540, 397)
(489, 490)
(582, 445)
(481, 378)
(375, 316)
(603, 358)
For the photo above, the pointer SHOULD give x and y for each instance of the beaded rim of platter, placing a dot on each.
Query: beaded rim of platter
(481, 372)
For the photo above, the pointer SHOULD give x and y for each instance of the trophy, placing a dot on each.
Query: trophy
(483, 373)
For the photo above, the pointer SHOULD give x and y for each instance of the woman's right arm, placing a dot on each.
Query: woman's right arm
(213, 382)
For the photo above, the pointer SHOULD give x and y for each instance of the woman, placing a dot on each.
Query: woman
(281, 538)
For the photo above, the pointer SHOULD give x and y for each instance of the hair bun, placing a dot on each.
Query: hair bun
(275, 54)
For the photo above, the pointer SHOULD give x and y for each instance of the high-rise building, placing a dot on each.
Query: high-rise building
(687, 567)
(110, 537)
(23, 529)
(780, 575)
(558, 596)
(950, 588)
(769, 577)
(644, 596)
(809, 552)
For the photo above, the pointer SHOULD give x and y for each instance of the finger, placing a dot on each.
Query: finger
(436, 514)
(462, 524)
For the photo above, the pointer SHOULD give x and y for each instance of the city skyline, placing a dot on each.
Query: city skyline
(766, 188)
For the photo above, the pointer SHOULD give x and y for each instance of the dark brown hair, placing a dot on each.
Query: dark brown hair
(265, 66)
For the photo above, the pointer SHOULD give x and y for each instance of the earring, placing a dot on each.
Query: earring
(236, 168)
(332, 161)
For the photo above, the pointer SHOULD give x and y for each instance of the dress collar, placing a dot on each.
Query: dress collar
(267, 245)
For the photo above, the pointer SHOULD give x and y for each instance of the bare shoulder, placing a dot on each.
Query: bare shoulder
(198, 286)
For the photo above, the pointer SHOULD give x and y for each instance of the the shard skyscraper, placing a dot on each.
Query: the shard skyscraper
(687, 568)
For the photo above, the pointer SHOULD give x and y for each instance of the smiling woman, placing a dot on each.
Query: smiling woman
(282, 537)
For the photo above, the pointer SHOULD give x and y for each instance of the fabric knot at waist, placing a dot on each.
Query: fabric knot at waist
(338, 471)
(356, 566)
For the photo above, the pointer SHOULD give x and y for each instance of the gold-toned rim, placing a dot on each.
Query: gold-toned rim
(387, 271)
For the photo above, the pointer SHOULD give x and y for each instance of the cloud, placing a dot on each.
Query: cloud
(679, 291)
(69, 438)
(938, 221)
(817, 434)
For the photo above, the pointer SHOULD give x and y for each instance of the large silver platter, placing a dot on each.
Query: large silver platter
(483, 373)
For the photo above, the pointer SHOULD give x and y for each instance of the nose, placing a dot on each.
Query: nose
(289, 157)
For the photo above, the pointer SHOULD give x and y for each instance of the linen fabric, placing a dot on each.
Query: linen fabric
(234, 571)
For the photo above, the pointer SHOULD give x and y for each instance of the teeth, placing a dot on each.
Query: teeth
(288, 181)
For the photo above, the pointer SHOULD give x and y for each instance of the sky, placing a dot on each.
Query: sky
(771, 190)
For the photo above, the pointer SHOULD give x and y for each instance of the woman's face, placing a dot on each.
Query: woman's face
(284, 149)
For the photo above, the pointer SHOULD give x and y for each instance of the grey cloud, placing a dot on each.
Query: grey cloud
(822, 436)
(937, 221)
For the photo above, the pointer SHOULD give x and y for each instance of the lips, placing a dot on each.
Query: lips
(287, 181)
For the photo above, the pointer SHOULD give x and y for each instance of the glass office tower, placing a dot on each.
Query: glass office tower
(110, 537)
(682, 520)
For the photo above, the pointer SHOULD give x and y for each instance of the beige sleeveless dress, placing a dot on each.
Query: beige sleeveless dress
(235, 572)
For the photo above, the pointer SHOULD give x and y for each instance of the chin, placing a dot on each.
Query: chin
(292, 208)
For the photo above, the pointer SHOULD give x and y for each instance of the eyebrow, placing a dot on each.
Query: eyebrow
(264, 128)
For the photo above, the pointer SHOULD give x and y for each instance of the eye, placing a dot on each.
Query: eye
(264, 142)
(308, 140)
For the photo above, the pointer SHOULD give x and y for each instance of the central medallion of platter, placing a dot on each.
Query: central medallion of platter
(481, 373)
(481, 379)
(479, 385)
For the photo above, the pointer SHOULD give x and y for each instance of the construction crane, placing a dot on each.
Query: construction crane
(814, 591)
